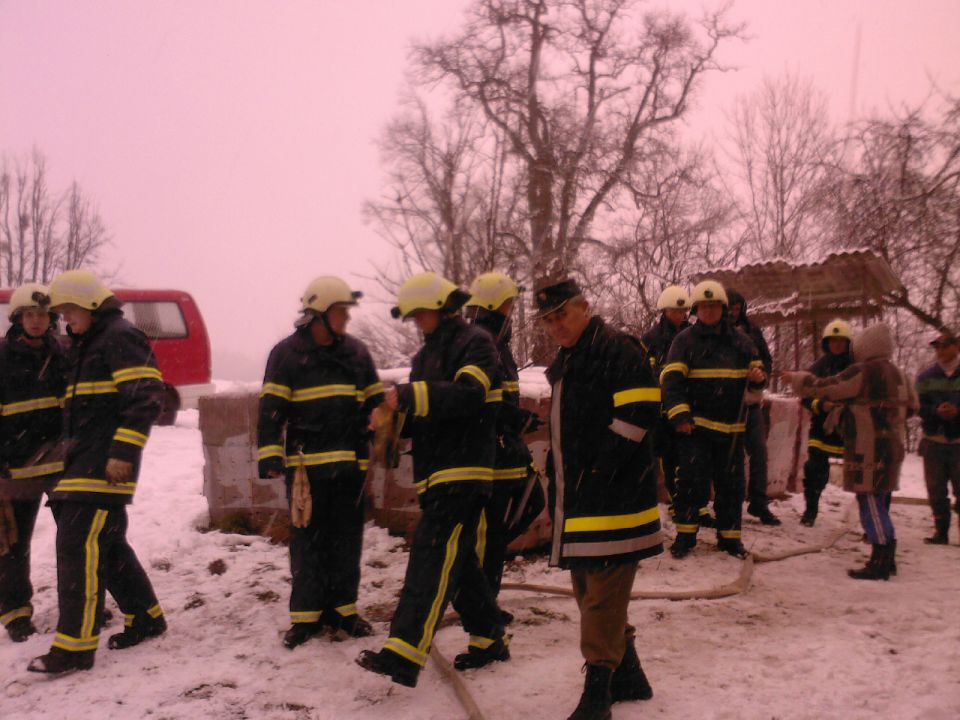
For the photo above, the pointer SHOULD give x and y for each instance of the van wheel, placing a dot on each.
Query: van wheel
(171, 406)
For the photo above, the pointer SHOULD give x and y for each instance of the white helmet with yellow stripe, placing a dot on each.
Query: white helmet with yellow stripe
(78, 287)
(428, 291)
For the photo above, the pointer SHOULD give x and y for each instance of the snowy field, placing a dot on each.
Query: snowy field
(804, 641)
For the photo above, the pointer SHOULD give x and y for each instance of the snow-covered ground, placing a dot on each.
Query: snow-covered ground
(804, 641)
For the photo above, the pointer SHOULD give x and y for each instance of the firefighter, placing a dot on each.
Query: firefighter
(32, 371)
(674, 304)
(114, 394)
(710, 371)
(824, 444)
(491, 303)
(755, 439)
(319, 389)
(452, 427)
(603, 485)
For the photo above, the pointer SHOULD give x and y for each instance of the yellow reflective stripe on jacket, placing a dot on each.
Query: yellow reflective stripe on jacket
(455, 475)
(269, 451)
(373, 389)
(130, 436)
(514, 473)
(475, 372)
(679, 367)
(363, 463)
(33, 471)
(494, 396)
(756, 364)
(323, 391)
(511, 386)
(815, 405)
(281, 391)
(92, 388)
(23, 406)
(421, 398)
(676, 410)
(94, 485)
(322, 458)
(719, 426)
(74, 644)
(611, 522)
(717, 373)
(140, 372)
(820, 445)
(634, 395)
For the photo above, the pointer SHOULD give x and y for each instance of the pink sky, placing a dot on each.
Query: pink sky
(230, 144)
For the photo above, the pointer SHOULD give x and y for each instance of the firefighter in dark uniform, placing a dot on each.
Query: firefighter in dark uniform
(603, 485)
(31, 384)
(114, 394)
(674, 305)
(452, 428)
(492, 296)
(319, 389)
(710, 370)
(823, 444)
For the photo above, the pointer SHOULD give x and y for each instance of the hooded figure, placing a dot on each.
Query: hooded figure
(875, 397)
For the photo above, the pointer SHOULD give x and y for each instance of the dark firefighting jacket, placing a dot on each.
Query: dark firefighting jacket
(657, 341)
(825, 366)
(317, 400)
(752, 331)
(31, 390)
(448, 417)
(114, 394)
(603, 482)
(704, 380)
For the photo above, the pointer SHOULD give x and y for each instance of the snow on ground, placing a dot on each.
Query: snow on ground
(803, 642)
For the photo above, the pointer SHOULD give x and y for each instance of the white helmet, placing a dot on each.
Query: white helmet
(427, 291)
(491, 290)
(838, 329)
(327, 290)
(29, 295)
(674, 298)
(708, 291)
(78, 287)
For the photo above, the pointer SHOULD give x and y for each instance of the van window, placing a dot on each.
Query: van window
(157, 319)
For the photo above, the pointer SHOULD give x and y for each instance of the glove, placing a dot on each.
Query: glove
(8, 526)
(119, 471)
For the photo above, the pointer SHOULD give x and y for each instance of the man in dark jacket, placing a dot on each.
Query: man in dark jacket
(31, 385)
(604, 400)
(452, 428)
(824, 443)
(114, 395)
(711, 373)
(755, 438)
(939, 390)
(319, 389)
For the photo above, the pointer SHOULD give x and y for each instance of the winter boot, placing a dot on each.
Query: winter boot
(877, 567)
(813, 507)
(763, 514)
(388, 663)
(20, 629)
(629, 682)
(477, 657)
(350, 625)
(140, 629)
(299, 633)
(595, 700)
(684, 543)
(732, 546)
(942, 529)
(506, 617)
(892, 552)
(60, 662)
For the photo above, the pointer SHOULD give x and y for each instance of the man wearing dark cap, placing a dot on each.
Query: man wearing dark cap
(939, 389)
(602, 485)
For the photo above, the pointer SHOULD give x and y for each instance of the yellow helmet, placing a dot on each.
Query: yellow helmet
(491, 290)
(427, 291)
(674, 298)
(838, 329)
(78, 287)
(29, 295)
(708, 291)
(327, 290)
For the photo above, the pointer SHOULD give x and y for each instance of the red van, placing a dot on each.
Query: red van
(172, 322)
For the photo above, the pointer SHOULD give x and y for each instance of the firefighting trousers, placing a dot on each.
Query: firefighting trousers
(325, 555)
(816, 471)
(93, 556)
(443, 564)
(875, 517)
(16, 591)
(603, 596)
(941, 466)
(666, 448)
(710, 458)
(755, 444)
(493, 533)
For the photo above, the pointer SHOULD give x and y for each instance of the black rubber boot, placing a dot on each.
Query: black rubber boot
(732, 546)
(877, 567)
(892, 552)
(683, 545)
(299, 633)
(506, 617)
(629, 682)
(941, 532)
(385, 662)
(350, 626)
(595, 701)
(476, 657)
(813, 507)
(60, 662)
(142, 628)
(19, 629)
(763, 514)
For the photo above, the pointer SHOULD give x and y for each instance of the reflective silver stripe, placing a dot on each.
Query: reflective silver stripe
(558, 519)
(627, 430)
(612, 547)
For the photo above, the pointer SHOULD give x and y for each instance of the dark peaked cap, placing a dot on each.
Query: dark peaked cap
(554, 294)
